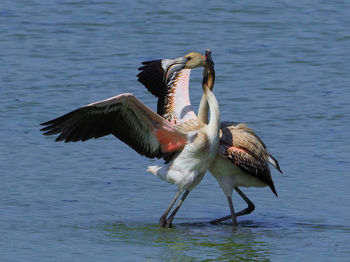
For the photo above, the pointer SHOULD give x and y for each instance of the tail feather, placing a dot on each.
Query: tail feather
(272, 186)
(273, 161)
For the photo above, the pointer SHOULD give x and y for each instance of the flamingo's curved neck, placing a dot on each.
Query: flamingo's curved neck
(208, 80)
(212, 103)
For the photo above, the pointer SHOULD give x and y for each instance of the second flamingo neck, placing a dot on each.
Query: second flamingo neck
(179, 107)
(208, 81)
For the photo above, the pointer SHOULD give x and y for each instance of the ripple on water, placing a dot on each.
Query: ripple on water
(283, 68)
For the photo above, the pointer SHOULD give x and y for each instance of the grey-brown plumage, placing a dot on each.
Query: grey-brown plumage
(240, 145)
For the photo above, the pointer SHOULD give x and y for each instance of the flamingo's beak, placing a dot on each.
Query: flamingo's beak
(177, 65)
(208, 60)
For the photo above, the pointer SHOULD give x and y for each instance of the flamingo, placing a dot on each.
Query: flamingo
(242, 159)
(188, 149)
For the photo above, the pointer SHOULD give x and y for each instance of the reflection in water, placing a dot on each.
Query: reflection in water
(194, 241)
(250, 241)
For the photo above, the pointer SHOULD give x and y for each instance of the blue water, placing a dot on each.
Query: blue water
(282, 67)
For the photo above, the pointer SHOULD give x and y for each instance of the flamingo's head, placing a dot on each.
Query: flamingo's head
(209, 63)
(193, 60)
(189, 61)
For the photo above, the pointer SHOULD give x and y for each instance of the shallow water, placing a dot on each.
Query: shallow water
(283, 68)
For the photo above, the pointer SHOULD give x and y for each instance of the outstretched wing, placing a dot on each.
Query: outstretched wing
(173, 97)
(244, 148)
(152, 75)
(125, 117)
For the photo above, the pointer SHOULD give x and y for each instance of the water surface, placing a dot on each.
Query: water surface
(283, 68)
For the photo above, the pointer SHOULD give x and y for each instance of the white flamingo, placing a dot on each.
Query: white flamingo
(188, 149)
(242, 159)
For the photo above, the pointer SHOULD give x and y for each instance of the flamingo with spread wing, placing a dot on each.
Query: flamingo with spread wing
(188, 148)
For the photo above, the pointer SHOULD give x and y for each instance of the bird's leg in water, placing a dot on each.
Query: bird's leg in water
(232, 216)
(171, 217)
(250, 207)
(162, 220)
(243, 212)
(234, 220)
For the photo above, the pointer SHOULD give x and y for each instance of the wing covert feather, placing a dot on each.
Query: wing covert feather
(241, 146)
(125, 117)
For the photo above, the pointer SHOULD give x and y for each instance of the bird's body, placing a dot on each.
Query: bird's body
(188, 167)
(243, 154)
(188, 149)
(242, 159)
(222, 169)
